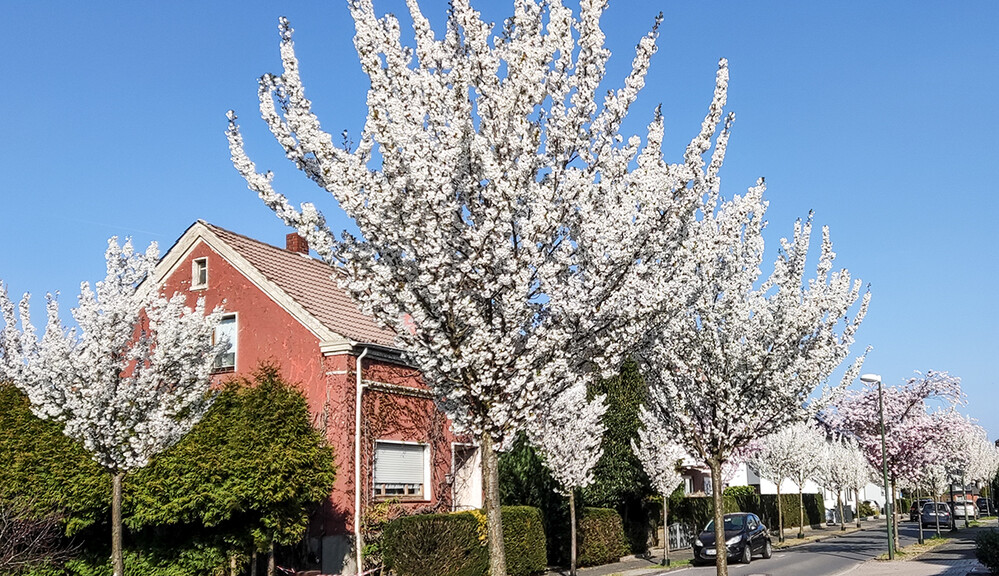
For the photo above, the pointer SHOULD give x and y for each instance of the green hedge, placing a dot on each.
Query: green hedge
(601, 537)
(987, 550)
(698, 511)
(455, 544)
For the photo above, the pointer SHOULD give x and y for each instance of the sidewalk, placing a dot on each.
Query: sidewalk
(955, 558)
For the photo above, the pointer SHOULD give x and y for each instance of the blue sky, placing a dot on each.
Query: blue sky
(877, 116)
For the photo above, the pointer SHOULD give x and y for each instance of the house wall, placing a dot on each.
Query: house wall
(266, 332)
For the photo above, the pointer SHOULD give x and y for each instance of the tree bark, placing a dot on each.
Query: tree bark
(839, 504)
(801, 511)
(271, 567)
(919, 515)
(936, 514)
(665, 529)
(894, 514)
(117, 554)
(253, 562)
(721, 550)
(856, 505)
(490, 481)
(233, 565)
(780, 515)
(572, 522)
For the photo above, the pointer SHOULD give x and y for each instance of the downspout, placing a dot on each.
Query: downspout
(359, 388)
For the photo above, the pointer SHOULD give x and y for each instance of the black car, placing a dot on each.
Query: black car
(745, 536)
(985, 506)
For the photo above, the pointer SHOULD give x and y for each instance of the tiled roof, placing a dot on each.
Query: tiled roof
(310, 283)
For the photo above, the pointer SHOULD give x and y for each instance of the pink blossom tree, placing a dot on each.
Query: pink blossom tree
(509, 234)
(129, 382)
(912, 430)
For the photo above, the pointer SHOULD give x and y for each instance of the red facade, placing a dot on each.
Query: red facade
(289, 311)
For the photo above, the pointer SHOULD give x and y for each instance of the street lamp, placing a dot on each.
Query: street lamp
(870, 379)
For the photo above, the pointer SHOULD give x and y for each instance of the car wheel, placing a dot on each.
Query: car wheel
(768, 550)
(747, 554)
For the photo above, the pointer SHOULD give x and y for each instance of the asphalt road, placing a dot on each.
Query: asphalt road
(825, 558)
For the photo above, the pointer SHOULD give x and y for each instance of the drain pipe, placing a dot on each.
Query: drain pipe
(359, 387)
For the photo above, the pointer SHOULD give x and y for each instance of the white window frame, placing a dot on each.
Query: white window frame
(235, 344)
(196, 265)
(425, 493)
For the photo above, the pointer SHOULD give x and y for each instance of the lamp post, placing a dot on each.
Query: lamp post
(870, 379)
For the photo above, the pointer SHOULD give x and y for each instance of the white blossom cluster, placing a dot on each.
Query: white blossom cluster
(796, 452)
(659, 454)
(510, 235)
(568, 437)
(746, 357)
(132, 378)
(844, 466)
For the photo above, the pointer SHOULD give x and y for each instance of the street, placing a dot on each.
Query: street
(826, 558)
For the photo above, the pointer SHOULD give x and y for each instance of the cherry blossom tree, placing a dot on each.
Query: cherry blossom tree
(660, 456)
(130, 381)
(748, 357)
(838, 469)
(795, 452)
(775, 461)
(568, 437)
(509, 234)
(914, 431)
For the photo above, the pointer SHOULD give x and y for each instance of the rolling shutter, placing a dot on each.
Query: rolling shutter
(399, 463)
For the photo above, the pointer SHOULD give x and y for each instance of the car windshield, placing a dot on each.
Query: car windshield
(731, 523)
(941, 507)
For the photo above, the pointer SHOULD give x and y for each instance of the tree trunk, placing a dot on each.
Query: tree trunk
(780, 515)
(936, 513)
(117, 555)
(271, 567)
(233, 565)
(253, 562)
(894, 516)
(839, 504)
(490, 481)
(572, 532)
(801, 511)
(721, 550)
(964, 495)
(665, 529)
(856, 505)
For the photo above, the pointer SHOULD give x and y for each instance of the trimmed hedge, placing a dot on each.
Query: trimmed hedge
(698, 511)
(987, 550)
(456, 544)
(601, 537)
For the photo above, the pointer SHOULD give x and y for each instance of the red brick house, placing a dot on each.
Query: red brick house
(283, 306)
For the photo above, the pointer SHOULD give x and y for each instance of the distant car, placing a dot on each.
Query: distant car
(985, 506)
(932, 513)
(745, 535)
(964, 509)
(916, 506)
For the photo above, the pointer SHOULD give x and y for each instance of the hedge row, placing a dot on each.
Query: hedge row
(698, 511)
(455, 544)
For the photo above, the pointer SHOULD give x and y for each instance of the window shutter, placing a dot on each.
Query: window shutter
(398, 463)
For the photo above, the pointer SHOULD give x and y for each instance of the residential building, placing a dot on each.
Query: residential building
(285, 307)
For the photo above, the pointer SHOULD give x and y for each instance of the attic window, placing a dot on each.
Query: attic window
(199, 274)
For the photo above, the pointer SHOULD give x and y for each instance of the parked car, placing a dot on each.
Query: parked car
(745, 535)
(916, 506)
(964, 509)
(931, 513)
(985, 506)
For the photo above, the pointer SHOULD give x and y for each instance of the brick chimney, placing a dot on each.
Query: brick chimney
(296, 243)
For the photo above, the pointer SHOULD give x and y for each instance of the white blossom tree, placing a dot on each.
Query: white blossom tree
(568, 436)
(838, 469)
(859, 474)
(792, 453)
(130, 381)
(660, 456)
(509, 234)
(748, 357)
